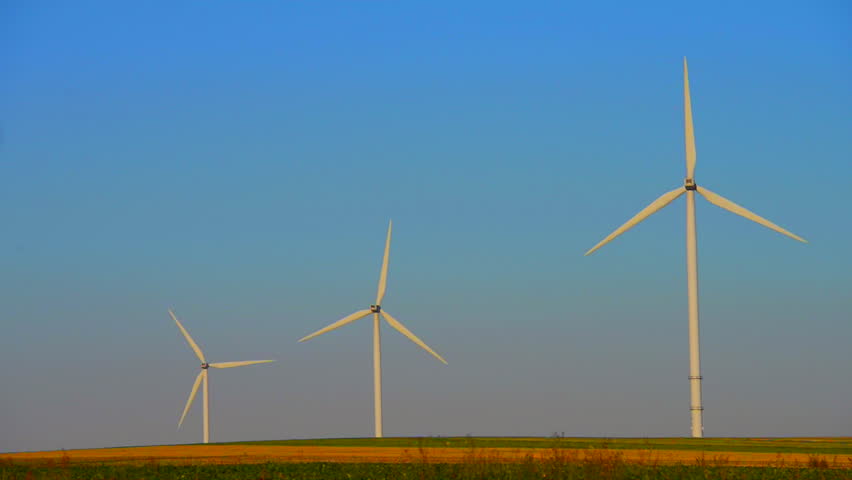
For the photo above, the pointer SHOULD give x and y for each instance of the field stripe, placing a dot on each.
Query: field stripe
(244, 454)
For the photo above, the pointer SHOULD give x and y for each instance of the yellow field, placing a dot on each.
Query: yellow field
(242, 454)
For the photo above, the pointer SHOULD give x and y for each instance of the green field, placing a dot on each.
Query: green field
(825, 459)
(822, 446)
(419, 471)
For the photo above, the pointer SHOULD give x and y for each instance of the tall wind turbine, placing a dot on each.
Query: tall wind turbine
(377, 310)
(202, 377)
(690, 188)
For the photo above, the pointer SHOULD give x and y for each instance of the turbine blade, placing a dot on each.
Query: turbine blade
(191, 396)
(689, 133)
(730, 206)
(238, 364)
(656, 205)
(395, 324)
(343, 321)
(189, 339)
(383, 278)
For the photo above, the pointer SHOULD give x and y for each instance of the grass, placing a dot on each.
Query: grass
(822, 446)
(550, 458)
(603, 468)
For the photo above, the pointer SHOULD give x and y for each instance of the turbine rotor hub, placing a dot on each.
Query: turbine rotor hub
(205, 366)
(375, 308)
(689, 184)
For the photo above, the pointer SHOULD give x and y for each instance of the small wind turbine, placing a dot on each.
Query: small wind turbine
(377, 310)
(690, 188)
(202, 376)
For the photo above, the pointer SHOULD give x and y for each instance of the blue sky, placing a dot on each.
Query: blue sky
(239, 162)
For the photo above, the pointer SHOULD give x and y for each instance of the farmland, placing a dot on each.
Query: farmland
(452, 457)
(814, 445)
(610, 470)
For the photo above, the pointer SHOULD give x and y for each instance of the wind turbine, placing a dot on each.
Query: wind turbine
(376, 310)
(690, 188)
(202, 376)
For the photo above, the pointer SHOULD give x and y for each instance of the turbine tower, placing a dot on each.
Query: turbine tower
(202, 377)
(377, 310)
(690, 188)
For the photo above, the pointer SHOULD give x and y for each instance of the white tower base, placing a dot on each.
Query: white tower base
(696, 408)
(377, 374)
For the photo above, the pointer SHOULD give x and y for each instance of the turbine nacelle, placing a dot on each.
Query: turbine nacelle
(205, 366)
(375, 308)
(689, 184)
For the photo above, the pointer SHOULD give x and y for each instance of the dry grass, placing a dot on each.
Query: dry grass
(248, 454)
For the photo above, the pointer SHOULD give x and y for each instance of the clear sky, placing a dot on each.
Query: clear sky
(239, 162)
